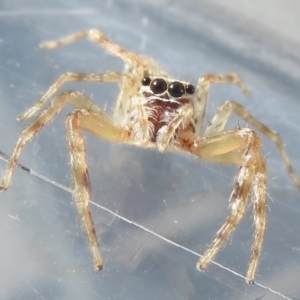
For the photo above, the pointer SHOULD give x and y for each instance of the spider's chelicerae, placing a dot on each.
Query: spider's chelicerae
(155, 110)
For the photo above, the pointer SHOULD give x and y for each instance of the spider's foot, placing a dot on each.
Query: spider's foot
(27, 114)
(99, 267)
(3, 186)
(48, 45)
(246, 91)
(201, 266)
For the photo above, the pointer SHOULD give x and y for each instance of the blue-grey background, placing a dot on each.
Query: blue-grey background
(44, 253)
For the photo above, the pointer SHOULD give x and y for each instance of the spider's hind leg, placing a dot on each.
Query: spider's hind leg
(97, 37)
(72, 77)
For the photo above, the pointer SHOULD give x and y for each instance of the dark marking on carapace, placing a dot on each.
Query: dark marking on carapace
(161, 113)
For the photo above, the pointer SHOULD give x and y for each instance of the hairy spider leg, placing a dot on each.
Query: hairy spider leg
(220, 119)
(103, 127)
(203, 88)
(47, 116)
(138, 66)
(71, 77)
(243, 147)
(260, 217)
(185, 113)
(97, 37)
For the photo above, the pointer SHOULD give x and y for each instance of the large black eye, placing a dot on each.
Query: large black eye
(146, 81)
(176, 89)
(190, 89)
(158, 86)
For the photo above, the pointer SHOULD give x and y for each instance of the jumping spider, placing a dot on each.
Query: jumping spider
(155, 110)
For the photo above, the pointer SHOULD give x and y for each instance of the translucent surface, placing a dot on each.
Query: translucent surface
(44, 252)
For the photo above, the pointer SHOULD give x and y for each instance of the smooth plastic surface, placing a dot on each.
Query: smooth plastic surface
(44, 253)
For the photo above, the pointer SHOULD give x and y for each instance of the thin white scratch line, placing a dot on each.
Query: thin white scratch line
(14, 217)
(38, 293)
(4, 157)
(183, 247)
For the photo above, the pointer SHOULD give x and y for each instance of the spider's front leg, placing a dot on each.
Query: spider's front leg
(103, 127)
(180, 121)
(242, 147)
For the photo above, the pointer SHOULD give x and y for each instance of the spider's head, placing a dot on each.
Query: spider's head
(167, 89)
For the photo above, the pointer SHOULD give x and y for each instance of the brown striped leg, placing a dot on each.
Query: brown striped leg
(74, 97)
(103, 127)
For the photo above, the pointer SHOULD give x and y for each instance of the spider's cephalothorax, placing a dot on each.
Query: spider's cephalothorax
(157, 111)
(163, 105)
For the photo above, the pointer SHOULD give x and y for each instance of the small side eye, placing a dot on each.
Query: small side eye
(158, 86)
(176, 89)
(146, 81)
(190, 89)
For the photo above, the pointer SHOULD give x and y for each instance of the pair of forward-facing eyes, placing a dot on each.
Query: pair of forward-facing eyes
(176, 89)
